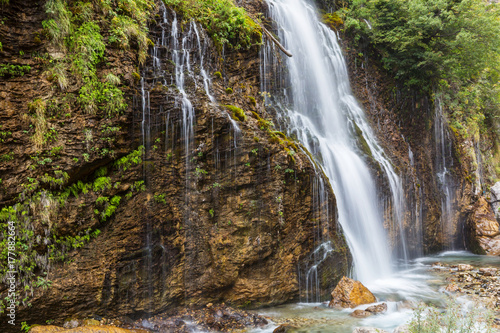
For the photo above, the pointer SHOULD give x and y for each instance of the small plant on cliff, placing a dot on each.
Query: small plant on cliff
(38, 108)
(13, 70)
(160, 198)
(225, 23)
(238, 114)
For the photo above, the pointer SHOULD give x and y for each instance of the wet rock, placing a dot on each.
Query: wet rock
(452, 287)
(350, 293)
(495, 199)
(283, 328)
(368, 330)
(488, 271)
(379, 308)
(71, 323)
(360, 314)
(464, 267)
(482, 232)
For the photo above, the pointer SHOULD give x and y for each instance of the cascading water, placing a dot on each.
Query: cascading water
(315, 98)
(443, 165)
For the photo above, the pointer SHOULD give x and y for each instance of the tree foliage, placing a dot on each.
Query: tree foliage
(446, 46)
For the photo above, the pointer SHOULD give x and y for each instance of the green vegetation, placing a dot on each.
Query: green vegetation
(7, 157)
(447, 49)
(13, 70)
(79, 29)
(238, 114)
(225, 23)
(38, 108)
(427, 319)
(160, 198)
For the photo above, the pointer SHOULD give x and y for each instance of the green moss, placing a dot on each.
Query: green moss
(333, 20)
(252, 100)
(238, 114)
(229, 90)
(224, 22)
(136, 76)
(218, 75)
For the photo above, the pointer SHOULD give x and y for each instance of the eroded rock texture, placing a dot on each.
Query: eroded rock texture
(213, 208)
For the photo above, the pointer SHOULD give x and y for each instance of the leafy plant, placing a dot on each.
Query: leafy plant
(14, 70)
(226, 23)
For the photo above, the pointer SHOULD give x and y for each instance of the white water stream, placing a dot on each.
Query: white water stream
(324, 115)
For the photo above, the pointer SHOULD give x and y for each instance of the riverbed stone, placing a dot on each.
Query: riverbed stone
(464, 267)
(379, 308)
(350, 293)
(488, 271)
(283, 328)
(360, 314)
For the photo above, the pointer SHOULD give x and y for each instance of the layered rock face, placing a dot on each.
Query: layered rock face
(161, 207)
(483, 234)
(420, 145)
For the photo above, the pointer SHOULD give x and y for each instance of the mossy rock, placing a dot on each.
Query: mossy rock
(238, 114)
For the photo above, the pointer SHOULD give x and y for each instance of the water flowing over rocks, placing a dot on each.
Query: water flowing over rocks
(480, 283)
(349, 294)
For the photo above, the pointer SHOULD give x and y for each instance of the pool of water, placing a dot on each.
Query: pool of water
(402, 291)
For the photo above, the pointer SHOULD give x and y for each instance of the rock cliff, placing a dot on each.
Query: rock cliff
(153, 208)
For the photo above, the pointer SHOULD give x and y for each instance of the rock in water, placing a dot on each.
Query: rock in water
(464, 267)
(368, 330)
(360, 314)
(379, 308)
(350, 293)
(283, 328)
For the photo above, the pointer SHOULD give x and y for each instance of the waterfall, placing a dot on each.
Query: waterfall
(444, 165)
(313, 98)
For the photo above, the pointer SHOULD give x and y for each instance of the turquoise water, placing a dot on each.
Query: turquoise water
(402, 292)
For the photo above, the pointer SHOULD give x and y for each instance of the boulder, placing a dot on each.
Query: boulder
(464, 267)
(350, 293)
(483, 232)
(360, 314)
(379, 308)
(488, 271)
(283, 328)
(495, 199)
(368, 330)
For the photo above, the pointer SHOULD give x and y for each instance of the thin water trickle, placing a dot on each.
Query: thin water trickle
(326, 118)
(443, 165)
